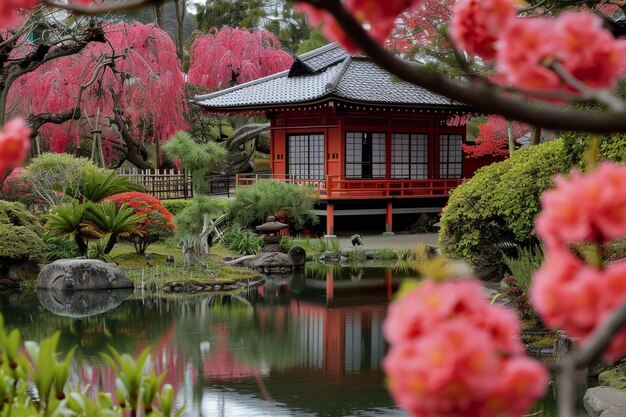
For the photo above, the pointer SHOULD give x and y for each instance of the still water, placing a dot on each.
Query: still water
(300, 345)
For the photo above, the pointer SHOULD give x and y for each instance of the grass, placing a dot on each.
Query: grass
(160, 276)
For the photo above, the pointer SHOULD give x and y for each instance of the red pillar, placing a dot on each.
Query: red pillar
(330, 218)
(330, 284)
(389, 282)
(389, 218)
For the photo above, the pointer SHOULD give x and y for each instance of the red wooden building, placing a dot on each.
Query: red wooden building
(369, 143)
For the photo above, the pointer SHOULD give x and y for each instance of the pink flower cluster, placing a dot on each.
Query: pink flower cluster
(380, 16)
(454, 354)
(14, 144)
(10, 10)
(477, 25)
(568, 293)
(9, 16)
(525, 48)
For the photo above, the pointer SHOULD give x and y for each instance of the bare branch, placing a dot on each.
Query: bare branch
(92, 10)
(600, 96)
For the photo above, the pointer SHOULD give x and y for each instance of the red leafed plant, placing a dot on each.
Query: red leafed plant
(157, 223)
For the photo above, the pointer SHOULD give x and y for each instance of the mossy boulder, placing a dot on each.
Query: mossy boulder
(613, 378)
(20, 236)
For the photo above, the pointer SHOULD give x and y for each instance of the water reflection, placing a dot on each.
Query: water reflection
(300, 345)
(307, 344)
(79, 304)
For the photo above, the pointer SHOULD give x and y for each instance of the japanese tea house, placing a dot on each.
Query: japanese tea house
(369, 143)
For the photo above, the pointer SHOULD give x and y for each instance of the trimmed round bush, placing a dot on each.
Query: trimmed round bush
(496, 209)
(20, 235)
(157, 223)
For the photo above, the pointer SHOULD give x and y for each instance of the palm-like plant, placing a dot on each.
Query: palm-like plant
(107, 221)
(67, 220)
(98, 185)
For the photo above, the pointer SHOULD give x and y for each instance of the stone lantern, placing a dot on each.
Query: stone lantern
(269, 231)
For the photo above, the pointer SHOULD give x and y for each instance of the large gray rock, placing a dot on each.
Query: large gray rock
(599, 400)
(298, 256)
(614, 412)
(82, 274)
(273, 262)
(78, 304)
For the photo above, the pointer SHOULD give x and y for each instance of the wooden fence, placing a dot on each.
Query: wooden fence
(168, 184)
(165, 184)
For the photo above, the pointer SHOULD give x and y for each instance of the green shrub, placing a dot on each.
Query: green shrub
(498, 206)
(59, 247)
(612, 147)
(252, 204)
(58, 178)
(524, 264)
(242, 240)
(191, 220)
(19, 243)
(176, 206)
(19, 234)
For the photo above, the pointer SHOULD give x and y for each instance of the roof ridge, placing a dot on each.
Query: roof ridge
(331, 86)
(319, 51)
(238, 86)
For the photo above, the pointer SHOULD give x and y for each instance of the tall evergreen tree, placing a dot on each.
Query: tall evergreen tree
(233, 13)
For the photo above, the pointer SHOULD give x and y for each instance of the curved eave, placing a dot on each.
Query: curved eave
(257, 108)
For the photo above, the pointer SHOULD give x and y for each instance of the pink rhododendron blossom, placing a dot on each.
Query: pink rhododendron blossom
(568, 293)
(588, 207)
(380, 17)
(14, 143)
(522, 48)
(576, 41)
(577, 298)
(9, 14)
(455, 354)
(477, 24)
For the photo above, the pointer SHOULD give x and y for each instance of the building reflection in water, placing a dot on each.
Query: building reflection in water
(307, 344)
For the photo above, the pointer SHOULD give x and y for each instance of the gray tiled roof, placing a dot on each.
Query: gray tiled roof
(329, 73)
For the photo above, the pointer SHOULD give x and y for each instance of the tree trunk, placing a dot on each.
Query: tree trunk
(133, 149)
(158, 12)
(110, 243)
(509, 129)
(82, 246)
(535, 136)
(181, 11)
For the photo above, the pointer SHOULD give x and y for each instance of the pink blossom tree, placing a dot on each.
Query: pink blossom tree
(225, 57)
(133, 83)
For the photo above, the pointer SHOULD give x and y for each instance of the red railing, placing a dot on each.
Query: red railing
(335, 187)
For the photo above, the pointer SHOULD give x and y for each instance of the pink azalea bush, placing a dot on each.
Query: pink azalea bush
(570, 293)
(454, 354)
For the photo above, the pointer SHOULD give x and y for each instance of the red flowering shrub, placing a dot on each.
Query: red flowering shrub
(157, 223)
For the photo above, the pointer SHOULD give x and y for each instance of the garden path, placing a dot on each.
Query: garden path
(379, 241)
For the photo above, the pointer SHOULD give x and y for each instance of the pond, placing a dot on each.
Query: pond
(307, 344)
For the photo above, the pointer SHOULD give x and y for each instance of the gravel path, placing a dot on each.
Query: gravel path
(379, 241)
